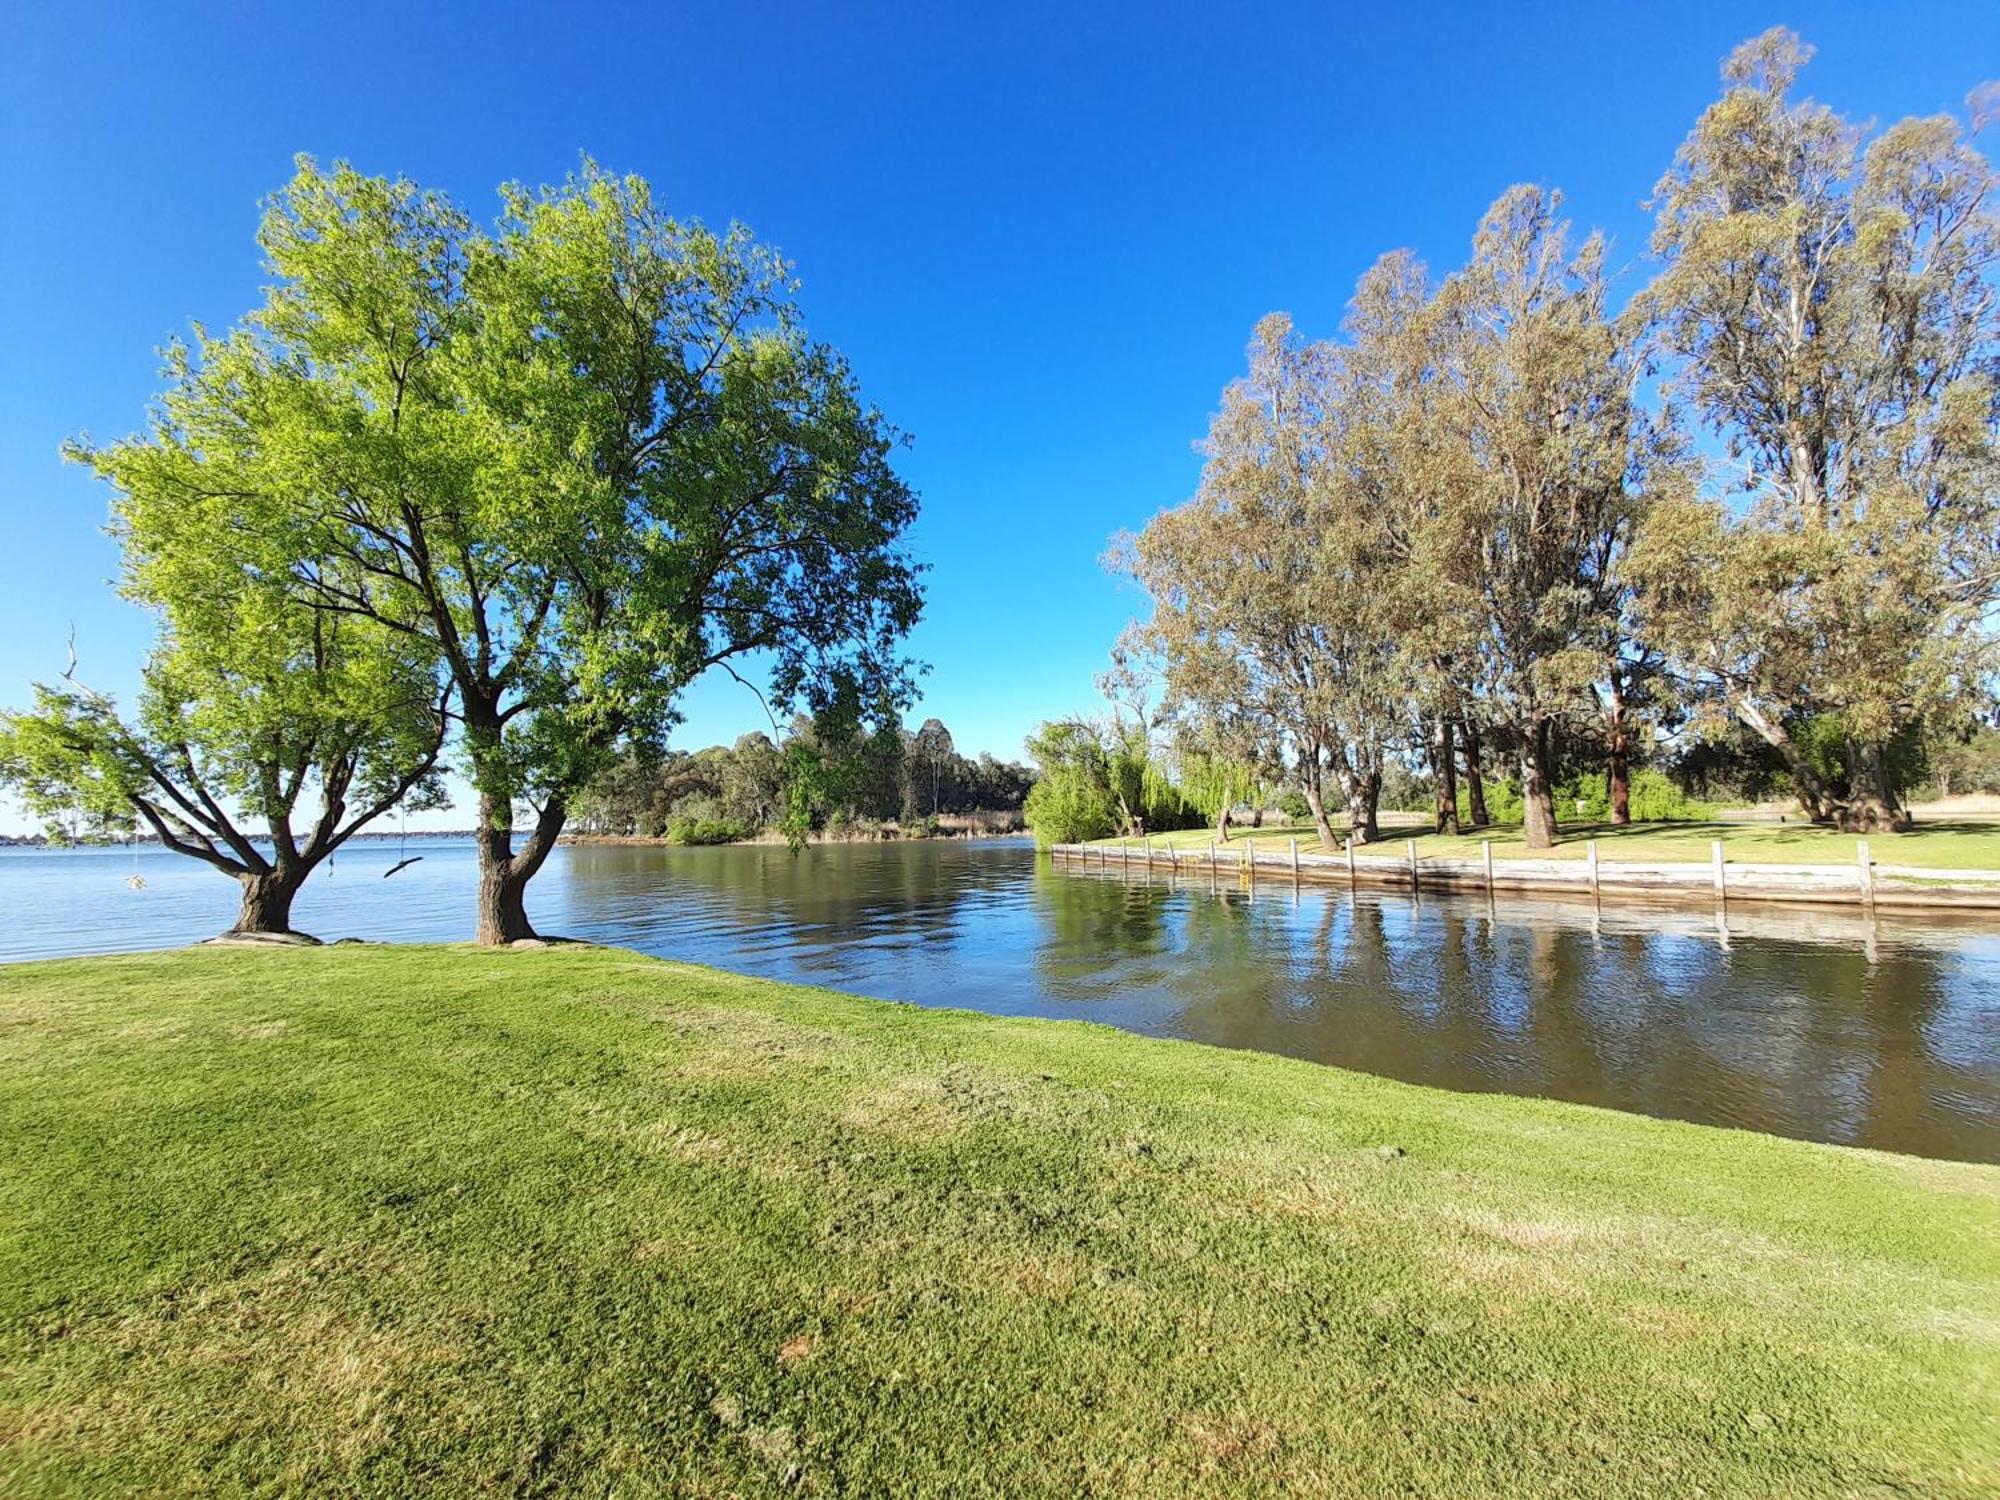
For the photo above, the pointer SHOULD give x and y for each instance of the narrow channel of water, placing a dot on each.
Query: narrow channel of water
(1818, 1024)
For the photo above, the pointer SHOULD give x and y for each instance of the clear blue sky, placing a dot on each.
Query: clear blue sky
(1041, 234)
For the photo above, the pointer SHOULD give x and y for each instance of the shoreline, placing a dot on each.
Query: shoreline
(1871, 886)
(768, 839)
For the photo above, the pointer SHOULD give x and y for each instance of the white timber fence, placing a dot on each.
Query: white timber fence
(1864, 882)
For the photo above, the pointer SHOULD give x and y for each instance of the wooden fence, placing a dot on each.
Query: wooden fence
(1718, 881)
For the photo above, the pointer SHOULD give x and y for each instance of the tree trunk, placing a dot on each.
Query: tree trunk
(1621, 776)
(1222, 822)
(504, 874)
(1872, 805)
(1134, 824)
(1320, 824)
(267, 900)
(1538, 802)
(1364, 793)
(1475, 780)
(1618, 747)
(1811, 790)
(1444, 779)
(503, 910)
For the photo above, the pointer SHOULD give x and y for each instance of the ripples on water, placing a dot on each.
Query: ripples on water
(1812, 1023)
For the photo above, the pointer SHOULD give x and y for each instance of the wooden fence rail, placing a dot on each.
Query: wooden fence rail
(1864, 882)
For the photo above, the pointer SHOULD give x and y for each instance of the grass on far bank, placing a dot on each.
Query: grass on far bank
(400, 1221)
(1951, 843)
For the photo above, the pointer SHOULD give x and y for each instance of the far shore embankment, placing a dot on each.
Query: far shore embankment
(978, 826)
(1581, 867)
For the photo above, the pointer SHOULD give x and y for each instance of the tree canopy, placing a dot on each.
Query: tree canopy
(1826, 307)
(263, 738)
(577, 459)
(1461, 526)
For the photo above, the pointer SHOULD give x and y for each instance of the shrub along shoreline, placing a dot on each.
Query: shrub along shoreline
(410, 1221)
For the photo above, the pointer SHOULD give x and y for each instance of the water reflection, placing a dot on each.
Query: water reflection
(1824, 1024)
(1792, 1027)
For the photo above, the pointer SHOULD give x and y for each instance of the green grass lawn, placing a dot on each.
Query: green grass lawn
(393, 1221)
(1957, 844)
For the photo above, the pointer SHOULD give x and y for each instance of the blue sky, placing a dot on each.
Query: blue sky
(1042, 235)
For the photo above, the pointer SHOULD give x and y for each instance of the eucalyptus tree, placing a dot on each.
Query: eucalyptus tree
(1403, 471)
(753, 780)
(580, 458)
(1264, 609)
(932, 746)
(1541, 382)
(1827, 304)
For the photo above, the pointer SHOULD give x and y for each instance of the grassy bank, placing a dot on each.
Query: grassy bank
(1956, 843)
(438, 1221)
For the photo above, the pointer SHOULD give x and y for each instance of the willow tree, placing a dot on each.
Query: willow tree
(1264, 609)
(1541, 398)
(580, 458)
(1828, 306)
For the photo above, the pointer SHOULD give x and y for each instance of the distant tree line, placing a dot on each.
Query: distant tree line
(879, 774)
(1504, 534)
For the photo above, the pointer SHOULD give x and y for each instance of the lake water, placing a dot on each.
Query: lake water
(1823, 1025)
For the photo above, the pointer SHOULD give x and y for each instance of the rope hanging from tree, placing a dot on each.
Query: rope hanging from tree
(403, 858)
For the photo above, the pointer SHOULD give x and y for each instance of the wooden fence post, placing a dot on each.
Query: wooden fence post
(1250, 860)
(1867, 873)
(1411, 845)
(1486, 849)
(1350, 861)
(1721, 883)
(1590, 852)
(1295, 861)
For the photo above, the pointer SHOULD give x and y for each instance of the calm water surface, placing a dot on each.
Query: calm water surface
(1820, 1025)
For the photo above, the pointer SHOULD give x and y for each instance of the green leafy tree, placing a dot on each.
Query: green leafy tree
(1266, 612)
(263, 738)
(1966, 759)
(1826, 304)
(753, 781)
(1403, 471)
(580, 458)
(1072, 800)
(1539, 379)
(932, 748)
